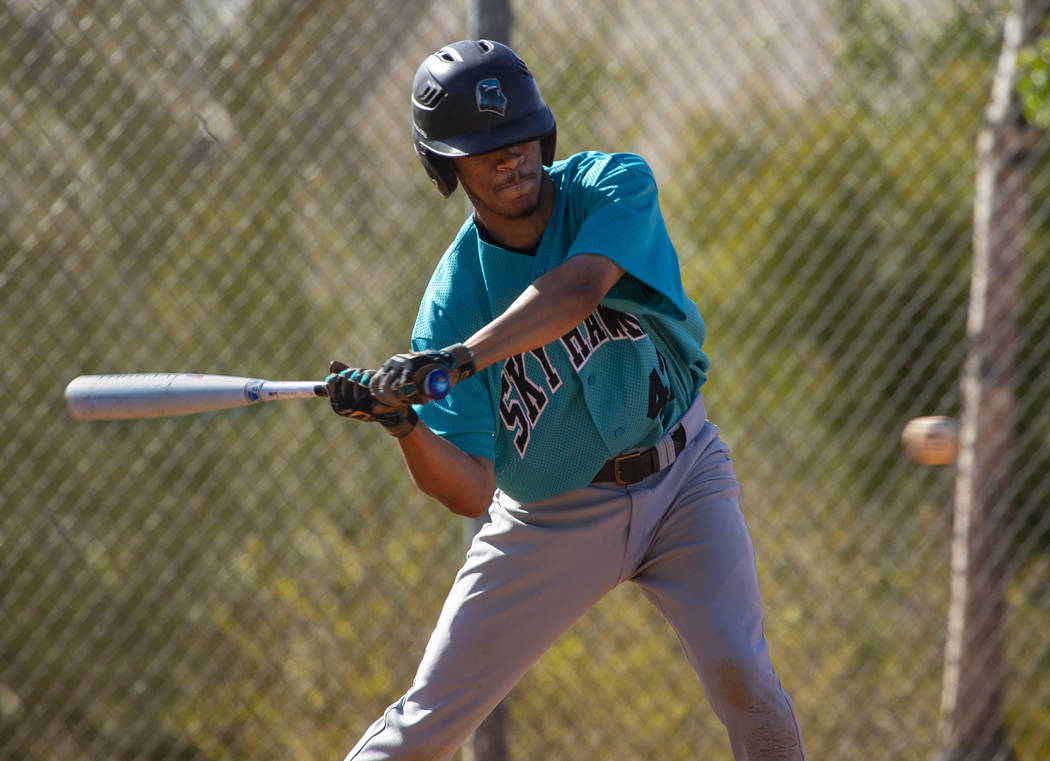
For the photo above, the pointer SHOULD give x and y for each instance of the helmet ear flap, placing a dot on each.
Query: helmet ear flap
(440, 169)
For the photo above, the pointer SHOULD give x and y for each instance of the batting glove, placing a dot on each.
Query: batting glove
(400, 381)
(350, 396)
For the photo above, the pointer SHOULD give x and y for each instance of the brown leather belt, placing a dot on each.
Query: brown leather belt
(627, 469)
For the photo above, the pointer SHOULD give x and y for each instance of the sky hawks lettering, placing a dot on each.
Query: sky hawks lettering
(523, 399)
(520, 414)
(602, 325)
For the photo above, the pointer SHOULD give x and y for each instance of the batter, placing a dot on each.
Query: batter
(575, 422)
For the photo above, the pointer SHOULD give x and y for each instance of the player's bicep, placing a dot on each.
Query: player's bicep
(600, 269)
(588, 275)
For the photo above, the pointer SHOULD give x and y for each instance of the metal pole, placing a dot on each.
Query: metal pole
(489, 20)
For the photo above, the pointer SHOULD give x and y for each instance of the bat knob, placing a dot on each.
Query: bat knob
(437, 384)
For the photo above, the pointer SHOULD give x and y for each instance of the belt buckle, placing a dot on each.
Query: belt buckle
(617, 477)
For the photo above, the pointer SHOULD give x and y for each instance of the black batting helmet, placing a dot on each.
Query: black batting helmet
(473, 97)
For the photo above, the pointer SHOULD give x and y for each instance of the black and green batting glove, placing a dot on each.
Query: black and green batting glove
(350, 396)
(400, 381)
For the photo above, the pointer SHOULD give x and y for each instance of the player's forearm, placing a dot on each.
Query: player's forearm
(548, 309)
(461, 482)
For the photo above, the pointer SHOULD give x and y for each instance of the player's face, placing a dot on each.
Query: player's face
(506, 182)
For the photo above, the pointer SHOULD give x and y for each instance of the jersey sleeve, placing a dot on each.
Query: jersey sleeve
(623, 222)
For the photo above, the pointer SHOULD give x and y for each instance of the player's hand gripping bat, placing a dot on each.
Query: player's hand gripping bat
(402, 377)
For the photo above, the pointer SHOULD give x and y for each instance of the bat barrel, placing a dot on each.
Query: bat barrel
(148, 395)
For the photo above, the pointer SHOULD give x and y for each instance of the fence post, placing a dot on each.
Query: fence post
(489, 19)
(975, 670)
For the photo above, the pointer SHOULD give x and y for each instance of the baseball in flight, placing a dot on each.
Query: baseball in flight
(931, 440)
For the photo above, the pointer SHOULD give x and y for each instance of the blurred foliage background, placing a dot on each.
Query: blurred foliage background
(228, 186)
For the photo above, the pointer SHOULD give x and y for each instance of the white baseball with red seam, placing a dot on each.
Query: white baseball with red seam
(931, 440)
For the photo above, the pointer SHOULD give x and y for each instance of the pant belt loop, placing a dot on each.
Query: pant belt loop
(665, 450)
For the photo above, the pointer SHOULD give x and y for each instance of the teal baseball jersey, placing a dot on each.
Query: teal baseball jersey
(551, 417)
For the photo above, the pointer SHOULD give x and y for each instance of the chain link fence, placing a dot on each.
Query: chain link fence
(227, 186)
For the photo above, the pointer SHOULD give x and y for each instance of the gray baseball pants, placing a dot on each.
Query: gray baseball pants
(534, 569)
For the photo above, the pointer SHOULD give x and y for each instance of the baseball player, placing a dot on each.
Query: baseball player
(574, 421)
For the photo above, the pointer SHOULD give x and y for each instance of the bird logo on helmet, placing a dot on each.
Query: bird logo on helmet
(472, 97)
(490, 98)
